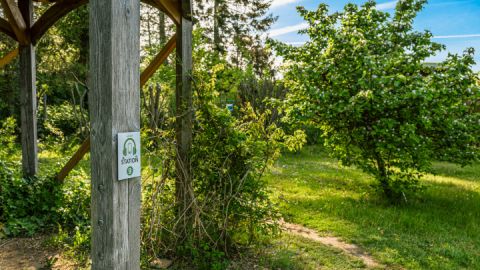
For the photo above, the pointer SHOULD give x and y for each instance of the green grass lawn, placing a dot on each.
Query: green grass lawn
(289, 252)
(439, 229)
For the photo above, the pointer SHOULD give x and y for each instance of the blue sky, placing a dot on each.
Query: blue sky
(455, 23)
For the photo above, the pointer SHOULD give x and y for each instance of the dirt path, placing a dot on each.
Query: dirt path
(350, 249)
(29, 254)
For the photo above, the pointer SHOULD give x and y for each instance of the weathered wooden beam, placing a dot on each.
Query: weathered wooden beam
(114, 108)
(17, 21)
(7, 29)
(184, 118)
(28, 97)
(74, 160)
(158, 60)
(7, 59)
(46, 1)
(63, 7)
(52, 15)
(144, 77)
(171, 8)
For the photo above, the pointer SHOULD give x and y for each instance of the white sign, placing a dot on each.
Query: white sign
(128, 155)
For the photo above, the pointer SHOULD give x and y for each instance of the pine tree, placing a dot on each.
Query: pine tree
(229, 23)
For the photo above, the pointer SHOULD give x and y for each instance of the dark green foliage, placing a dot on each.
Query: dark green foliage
(8, 81)
(7, 137)
(27, 204)
(31, 205)
(231, 204)
(229, 179)
(62, 122)
(362, 79)
(259, 93)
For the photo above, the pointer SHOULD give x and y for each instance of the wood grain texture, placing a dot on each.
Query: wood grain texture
(7, 29)
(184, 111)
(144, 77)
(8, 58)
(17, 21)
(115, 108)
(172, 9)
(28, 98)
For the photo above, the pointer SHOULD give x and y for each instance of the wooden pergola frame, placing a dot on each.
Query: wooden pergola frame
(115, 204)
(57, 11)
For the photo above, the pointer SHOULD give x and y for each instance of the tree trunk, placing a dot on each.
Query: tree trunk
(162, 31)
(383, 177)
(216, 26)
(162, 28)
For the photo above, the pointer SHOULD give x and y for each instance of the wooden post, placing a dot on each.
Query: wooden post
(28, 96)
(115, 108)
(184, 112)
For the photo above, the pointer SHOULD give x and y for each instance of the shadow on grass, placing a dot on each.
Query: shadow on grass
(467, 173)
(289, 252)
(437, 229)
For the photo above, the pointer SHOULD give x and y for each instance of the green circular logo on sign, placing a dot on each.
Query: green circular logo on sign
(130, 170)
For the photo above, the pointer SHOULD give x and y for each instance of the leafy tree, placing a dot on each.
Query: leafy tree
(235, 29)
(362, 79)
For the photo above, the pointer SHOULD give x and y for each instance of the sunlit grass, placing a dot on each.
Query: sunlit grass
(438, 229)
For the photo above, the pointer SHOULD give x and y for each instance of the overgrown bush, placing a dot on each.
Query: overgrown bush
(62, 122)
(33, 204)
(231, 204)
(260, 93)
(7, 137)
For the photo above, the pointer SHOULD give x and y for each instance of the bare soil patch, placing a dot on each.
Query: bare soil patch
(350, 249)
(30, 254)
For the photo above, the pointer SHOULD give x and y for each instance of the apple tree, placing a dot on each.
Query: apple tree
(363, 79)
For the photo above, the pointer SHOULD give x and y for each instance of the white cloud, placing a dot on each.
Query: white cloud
(287, 29)
(387, 5)
(457, 36)
(277, 3)
(296, 43)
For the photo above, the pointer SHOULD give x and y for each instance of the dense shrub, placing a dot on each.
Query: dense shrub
(32, 204)
(62, 121)
(8, 137)
(27, 204)
(231, 205)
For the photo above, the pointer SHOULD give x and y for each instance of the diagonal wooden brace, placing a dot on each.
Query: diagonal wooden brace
(52, 15)
(158, 60)
(7, 29)
(17, 22)
(144, 77)
(8, 58)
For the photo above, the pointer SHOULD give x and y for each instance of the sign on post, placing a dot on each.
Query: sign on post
(128, 155)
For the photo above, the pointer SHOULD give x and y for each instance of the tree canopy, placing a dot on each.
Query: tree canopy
(363, 80)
